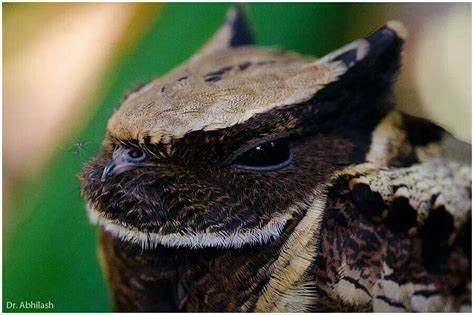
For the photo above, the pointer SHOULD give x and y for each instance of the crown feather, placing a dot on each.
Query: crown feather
(225, 85)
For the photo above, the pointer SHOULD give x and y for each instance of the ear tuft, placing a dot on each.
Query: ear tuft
(384, 41)
(387, 40)
(235, 32)
(367, 69)
(349, 54)
(398, 28)
(239, 28)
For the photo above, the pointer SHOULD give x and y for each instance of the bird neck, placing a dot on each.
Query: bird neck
(182, 279)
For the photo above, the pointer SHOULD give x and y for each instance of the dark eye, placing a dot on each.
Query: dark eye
(135, 155)
(266, 156)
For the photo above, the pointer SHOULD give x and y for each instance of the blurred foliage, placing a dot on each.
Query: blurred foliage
(49, 249)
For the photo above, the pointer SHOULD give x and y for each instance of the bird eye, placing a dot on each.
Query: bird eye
(266, 156)
(135, 155)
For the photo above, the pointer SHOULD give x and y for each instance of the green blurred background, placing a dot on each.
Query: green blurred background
(66, 67)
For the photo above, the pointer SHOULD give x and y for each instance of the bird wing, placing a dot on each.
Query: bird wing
(396, 239)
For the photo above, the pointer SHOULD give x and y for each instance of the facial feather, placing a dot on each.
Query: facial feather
(189, 185)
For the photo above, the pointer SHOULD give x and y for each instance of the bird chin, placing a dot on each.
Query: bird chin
(191, 239)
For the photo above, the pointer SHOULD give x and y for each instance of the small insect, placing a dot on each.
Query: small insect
(79, 146)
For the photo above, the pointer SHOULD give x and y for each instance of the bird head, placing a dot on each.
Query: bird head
(230, 147)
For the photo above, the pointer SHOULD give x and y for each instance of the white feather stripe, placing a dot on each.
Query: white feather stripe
(282, 291)
(191, 239)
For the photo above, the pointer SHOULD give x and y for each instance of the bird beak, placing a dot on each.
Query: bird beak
(108, 170)
(117, 165)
